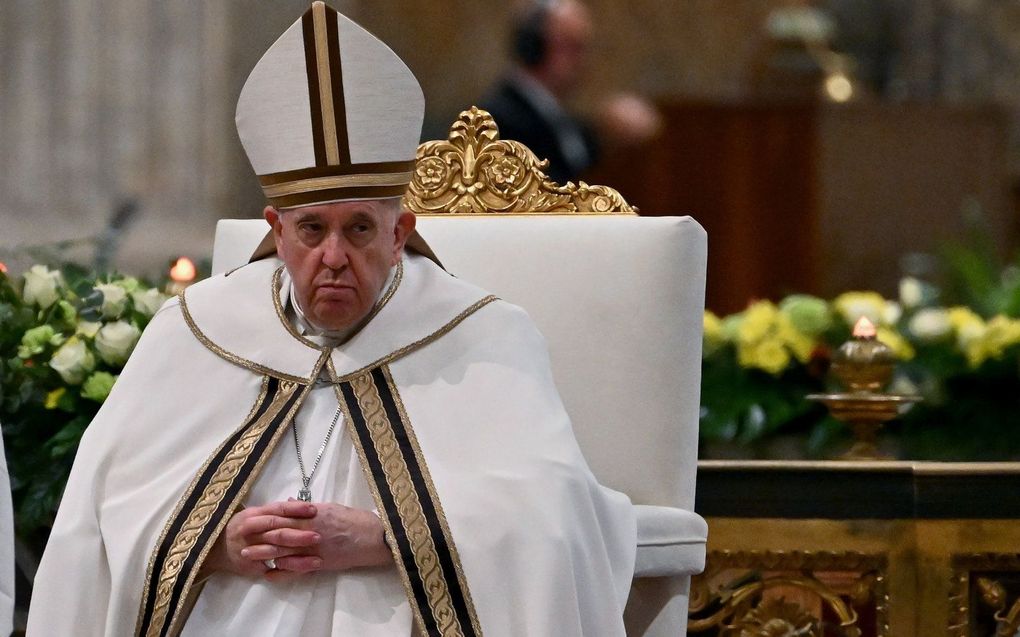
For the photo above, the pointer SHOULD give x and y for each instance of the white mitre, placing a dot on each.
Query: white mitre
(330, 113)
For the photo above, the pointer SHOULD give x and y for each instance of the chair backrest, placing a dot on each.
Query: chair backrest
(619, 300)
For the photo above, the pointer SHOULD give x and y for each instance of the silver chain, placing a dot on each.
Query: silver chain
(305, 494)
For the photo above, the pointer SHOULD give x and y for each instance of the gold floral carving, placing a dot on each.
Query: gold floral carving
(976, 573)
(740, 594)
(775, 618)
(473, 171)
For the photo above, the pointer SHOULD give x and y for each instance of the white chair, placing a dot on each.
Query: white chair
(619, 299)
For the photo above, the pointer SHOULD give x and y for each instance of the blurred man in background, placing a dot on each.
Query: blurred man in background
(550, 45)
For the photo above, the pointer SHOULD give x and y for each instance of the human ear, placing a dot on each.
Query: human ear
(272, 217)
(403, 229)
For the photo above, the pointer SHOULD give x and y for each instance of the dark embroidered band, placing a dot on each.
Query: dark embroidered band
(399, 479)
(204, 509)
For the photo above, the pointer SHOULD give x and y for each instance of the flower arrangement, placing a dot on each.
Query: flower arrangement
(760, 363)
(64, 337)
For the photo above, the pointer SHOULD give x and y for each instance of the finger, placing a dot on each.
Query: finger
(299, 563)
(289, 509)
(264, 523)
(263, 552)
(293, 538)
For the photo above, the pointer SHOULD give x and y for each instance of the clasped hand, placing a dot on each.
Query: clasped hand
(301, 537)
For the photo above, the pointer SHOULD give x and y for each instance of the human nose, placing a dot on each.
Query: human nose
(334, 253)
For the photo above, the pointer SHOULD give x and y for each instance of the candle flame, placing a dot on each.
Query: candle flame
(864, 328)
(3, 268)
(183, 270)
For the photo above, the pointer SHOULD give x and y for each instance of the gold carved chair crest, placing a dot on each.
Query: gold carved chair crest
(473, 171)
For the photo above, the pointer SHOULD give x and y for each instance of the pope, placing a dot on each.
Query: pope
(338, 438)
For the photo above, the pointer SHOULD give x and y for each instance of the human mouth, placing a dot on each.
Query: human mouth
(331, 290)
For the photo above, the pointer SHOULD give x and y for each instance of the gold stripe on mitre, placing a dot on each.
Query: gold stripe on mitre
(326, 184)
(329, 129)
(316, 184)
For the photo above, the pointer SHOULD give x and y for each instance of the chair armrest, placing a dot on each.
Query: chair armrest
(670, 541)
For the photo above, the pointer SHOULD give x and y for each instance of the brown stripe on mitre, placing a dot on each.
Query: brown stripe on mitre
(337, 194)
(320, 31)
(324, 184)
(314, 98)
(377, 168)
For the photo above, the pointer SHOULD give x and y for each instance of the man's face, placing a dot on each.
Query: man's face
(568, 34)
(339, 255)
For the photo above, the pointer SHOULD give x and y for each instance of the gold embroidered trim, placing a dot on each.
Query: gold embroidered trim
(398, 276)
(407, 349)
(278, 304)
(377, 498)
(325, 85)
(233, 358)
(212, 495)
(431, 487)
(398, 480)
(187, 492)
(316, 184)
(242, 493)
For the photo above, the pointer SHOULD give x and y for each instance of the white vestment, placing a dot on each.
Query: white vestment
(6, 548)
(536, 546)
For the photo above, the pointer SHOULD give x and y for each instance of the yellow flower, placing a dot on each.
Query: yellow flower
(757, 322)
(768, 355)
(53, 398)
(799, 343)
(854, 305)
(966, 324)
(731, 327)
(713, 334)
(899, 345)
(969, 329)
(1001, 332)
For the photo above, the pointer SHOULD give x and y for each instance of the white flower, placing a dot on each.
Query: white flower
(88, 328)
(930, 324)
(911, 292)
(73, 361)
(115, 341)
(41, 286)
(149, 301)
(903, 386)
(891, 313)
(114, 299)
(130, 283)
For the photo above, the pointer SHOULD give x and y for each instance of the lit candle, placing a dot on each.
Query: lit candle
(3, 268)
(863, 363)
(182, 274)
(864, 328)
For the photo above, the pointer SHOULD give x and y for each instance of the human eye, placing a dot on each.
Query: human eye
(309, 229)
(361, 230)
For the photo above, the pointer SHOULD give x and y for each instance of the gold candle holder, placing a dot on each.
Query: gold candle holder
(864, 365)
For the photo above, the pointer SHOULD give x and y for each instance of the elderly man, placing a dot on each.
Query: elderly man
(342, 440)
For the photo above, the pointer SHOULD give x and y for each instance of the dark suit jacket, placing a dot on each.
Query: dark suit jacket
(519, 120)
